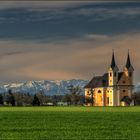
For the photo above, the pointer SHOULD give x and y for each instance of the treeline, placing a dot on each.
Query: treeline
(136, 98)
(73, 97)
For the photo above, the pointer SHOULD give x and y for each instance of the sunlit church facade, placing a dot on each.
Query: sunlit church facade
(113, 87)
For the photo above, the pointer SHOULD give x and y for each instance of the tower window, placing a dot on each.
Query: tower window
(110, 74)
(123, 90)
(130, 74)
(123, 82)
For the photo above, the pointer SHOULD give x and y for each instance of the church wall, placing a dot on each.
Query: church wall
(125, 80)
(125, 91)
(110, 97)
(99, 96)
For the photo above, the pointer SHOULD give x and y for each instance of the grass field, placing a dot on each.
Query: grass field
(70, 123)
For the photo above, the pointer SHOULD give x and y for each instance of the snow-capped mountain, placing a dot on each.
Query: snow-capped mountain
(137, 88)
(54, 87)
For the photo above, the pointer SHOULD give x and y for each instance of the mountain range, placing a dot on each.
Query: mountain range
(49, 87)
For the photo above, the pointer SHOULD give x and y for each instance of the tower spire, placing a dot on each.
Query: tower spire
(113, 63)
(128, 62)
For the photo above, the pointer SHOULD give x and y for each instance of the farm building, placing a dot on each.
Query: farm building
(114, 88)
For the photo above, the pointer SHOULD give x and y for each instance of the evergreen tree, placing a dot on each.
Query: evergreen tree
(12, 100)
(1, 99)
(36, 101)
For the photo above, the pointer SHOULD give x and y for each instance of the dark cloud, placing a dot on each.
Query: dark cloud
(63, 23)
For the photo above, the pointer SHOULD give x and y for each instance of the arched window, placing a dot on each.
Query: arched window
(110, 74)
(130, 74)
(99, 91)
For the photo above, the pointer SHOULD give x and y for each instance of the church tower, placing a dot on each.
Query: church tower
(128, 70)
(113, 72)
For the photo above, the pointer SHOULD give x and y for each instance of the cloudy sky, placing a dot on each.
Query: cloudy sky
(66, 40)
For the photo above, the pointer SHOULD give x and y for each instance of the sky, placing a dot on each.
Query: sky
(62, 40)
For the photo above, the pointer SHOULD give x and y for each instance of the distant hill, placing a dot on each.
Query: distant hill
(53, 87)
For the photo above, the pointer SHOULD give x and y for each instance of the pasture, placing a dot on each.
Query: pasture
(70, 123)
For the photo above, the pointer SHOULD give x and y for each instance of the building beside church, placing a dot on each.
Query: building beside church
(113, 87)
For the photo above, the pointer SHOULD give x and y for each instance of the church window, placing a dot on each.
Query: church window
(99, 91)
(123, 90)
(110, 74)
(124, 82)
(107, 100)
(88, 93)
(130, 74)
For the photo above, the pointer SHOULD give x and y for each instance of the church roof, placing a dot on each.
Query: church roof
(101, 81)
(98, 81)
(120, 74)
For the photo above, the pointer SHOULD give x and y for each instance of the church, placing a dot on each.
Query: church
(112, 88)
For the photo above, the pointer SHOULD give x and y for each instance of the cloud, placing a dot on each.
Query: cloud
(103, 13)
(41, 4)
(97, 37)
(79, 59)
(66, 22)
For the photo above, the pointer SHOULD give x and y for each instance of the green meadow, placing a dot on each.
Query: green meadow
(70, 123)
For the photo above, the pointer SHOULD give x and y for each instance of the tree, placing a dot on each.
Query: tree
(36, 101)
(87, 100)
(19, 98)
(1, 99)
(67, 98)
(42, 97)
(10, 98)
(127, 100)
(74, 93)
(27, 99)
